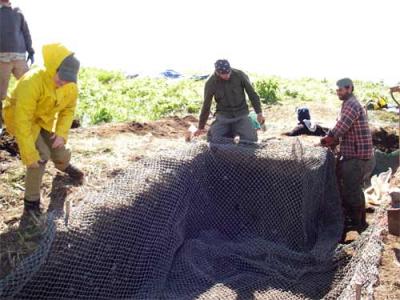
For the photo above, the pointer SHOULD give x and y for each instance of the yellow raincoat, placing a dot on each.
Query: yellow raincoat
(36, 103)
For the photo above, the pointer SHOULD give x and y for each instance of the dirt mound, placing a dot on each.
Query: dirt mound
(8, 144)
(385, 139)
(168, 127)
(171, 127)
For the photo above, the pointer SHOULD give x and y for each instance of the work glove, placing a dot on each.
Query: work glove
(31, 57)
(328, 141)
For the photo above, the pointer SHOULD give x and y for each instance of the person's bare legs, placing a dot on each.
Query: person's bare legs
(20, 67)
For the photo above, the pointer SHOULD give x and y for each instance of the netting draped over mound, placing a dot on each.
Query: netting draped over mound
(210, 222)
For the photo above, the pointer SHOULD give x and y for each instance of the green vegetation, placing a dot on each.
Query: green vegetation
(108, 96)
(268, 90)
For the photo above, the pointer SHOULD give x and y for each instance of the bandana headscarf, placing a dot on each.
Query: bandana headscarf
(222, 66)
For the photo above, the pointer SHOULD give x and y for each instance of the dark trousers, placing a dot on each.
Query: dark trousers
(224, 127)
(352, 177)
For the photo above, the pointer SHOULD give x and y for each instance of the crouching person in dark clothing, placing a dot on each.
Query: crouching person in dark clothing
(305, 125)
(227, 86)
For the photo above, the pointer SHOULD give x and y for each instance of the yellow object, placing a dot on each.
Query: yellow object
(377, 104)
(36, 103)
(382, 102)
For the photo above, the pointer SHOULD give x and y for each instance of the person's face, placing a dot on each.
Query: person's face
(344, 92)
(223, 76)
(59, 82)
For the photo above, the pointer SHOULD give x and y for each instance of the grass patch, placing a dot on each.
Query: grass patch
(109, 96)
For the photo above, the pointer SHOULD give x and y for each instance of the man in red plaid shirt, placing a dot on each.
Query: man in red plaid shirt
(356, 154)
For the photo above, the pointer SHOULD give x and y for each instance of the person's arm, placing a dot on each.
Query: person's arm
(27, 36)
(347, 118)
(205, 110)
(66, 116)
(254, 98)
(27, 94)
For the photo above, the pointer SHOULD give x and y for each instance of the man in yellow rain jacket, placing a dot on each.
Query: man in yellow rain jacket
(39, 113)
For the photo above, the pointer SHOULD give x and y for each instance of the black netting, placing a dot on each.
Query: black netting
(14, 282)
(218, 221)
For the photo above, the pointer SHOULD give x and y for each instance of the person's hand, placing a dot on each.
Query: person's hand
(35, 165)
(58, 141)
(395, 89)
(260, 118)
(199, 132)
(328, 141)
(31, 57)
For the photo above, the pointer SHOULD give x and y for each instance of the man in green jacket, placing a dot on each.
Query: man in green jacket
(227, 86)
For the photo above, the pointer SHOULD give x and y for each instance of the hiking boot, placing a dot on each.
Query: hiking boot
(75, 174)
(32, 217)
(33, 207)
(355, 220)
(360, 228)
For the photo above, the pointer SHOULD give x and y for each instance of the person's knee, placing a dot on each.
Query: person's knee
(352, 173)
(249, 135)
(20, 68)
(353, 196)
(245, 130)
(61, 158)
(219, 130)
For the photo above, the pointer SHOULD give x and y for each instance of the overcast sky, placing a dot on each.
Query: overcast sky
(291, 38)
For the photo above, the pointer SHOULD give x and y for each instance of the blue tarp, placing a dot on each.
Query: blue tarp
(171, 74)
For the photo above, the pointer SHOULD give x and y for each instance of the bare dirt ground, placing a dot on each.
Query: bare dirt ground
(104, 151)
(100, 151)
(389, 284)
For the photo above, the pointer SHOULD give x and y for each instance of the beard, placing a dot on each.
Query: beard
(345, 97)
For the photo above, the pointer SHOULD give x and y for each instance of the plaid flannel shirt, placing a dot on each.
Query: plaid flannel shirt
(353, 131)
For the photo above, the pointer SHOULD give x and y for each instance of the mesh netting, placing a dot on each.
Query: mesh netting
(218, 221)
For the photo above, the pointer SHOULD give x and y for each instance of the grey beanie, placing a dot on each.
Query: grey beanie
(344, 83)
(69, 68)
